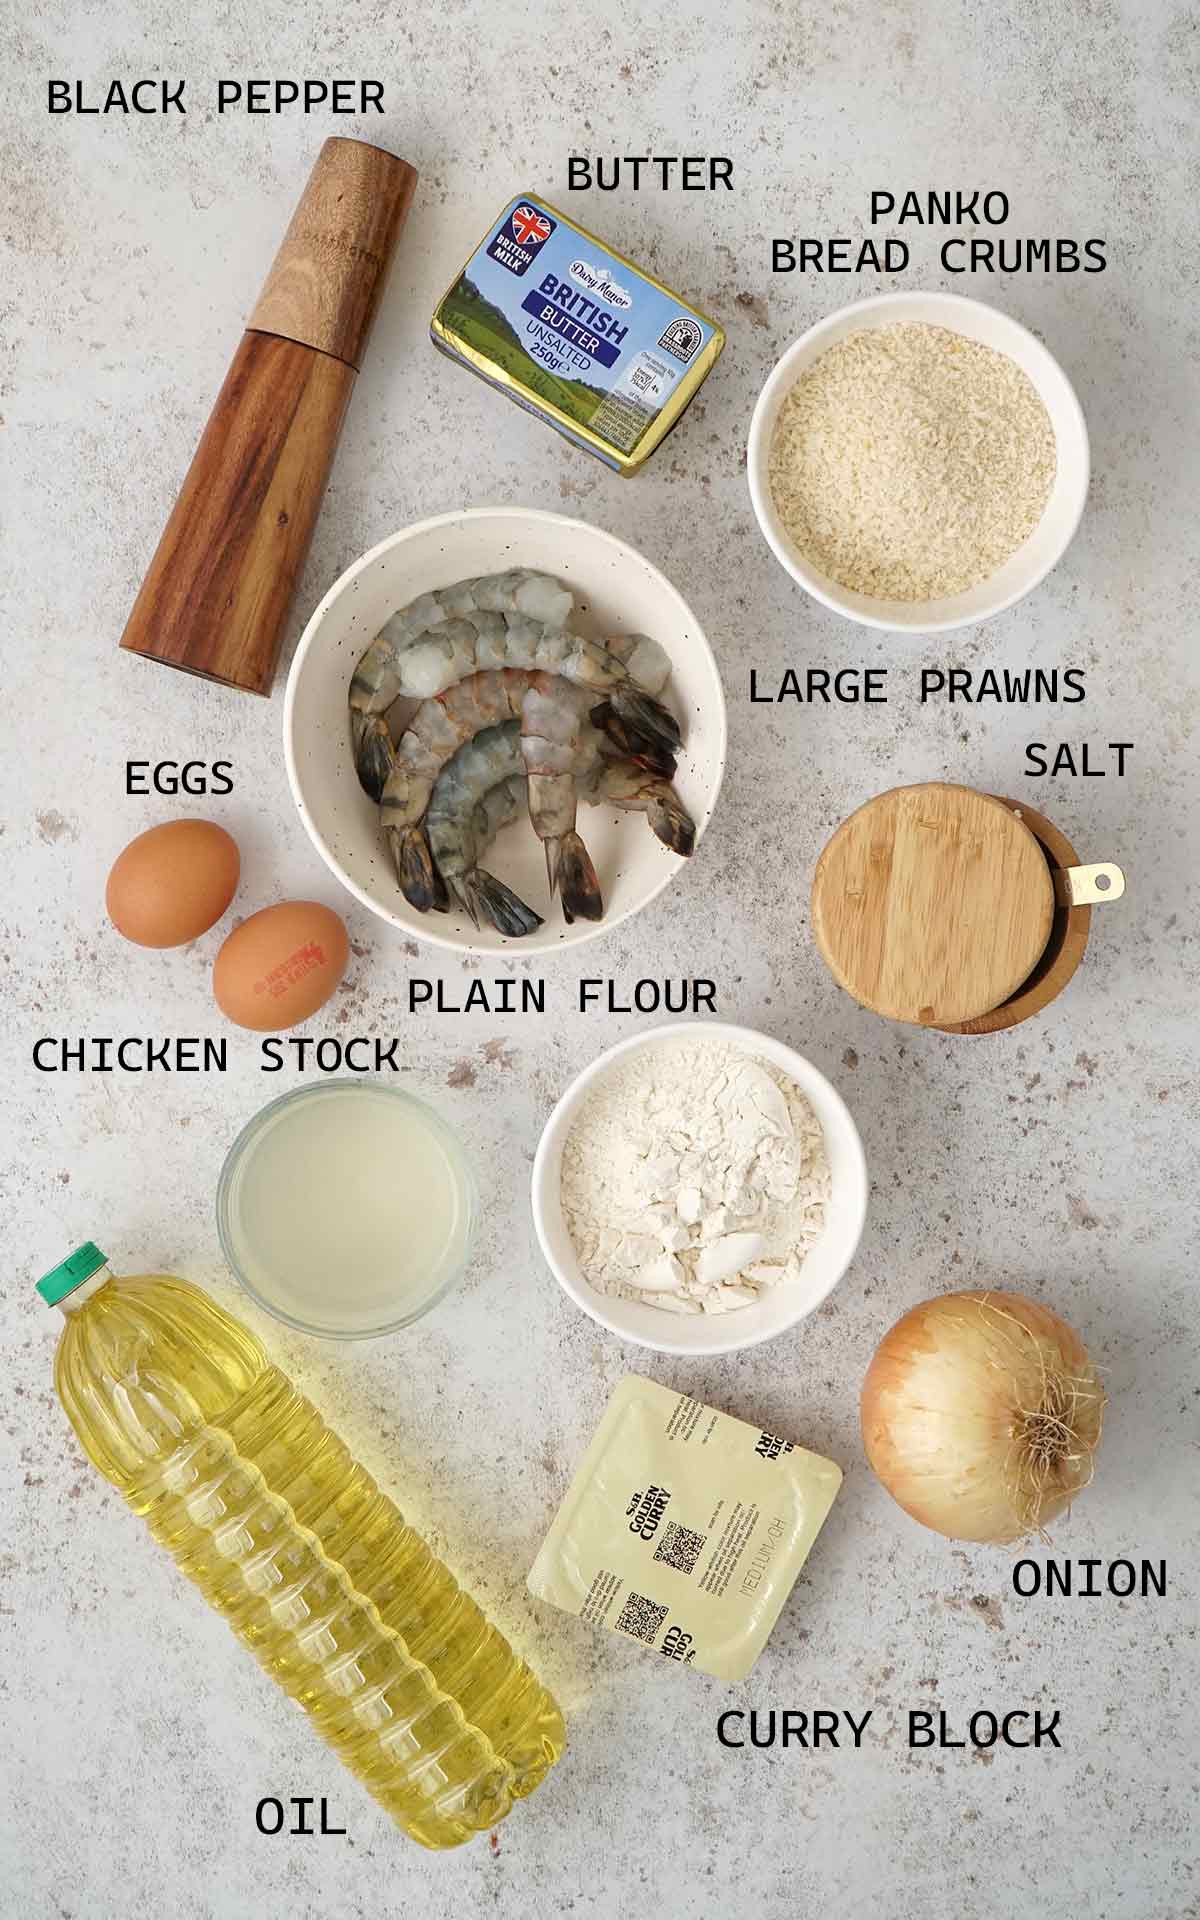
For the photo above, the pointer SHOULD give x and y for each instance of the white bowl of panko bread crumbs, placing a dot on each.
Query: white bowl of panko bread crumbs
(699, 1188)
(918, 461)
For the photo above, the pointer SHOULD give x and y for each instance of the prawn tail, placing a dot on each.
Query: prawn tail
(420, 882)
(374, 754)
(462, 896)
(498, 905)
(552, 848)
(672, 822)
(649, 755)
(658, 761)
(441, 892)
(577, 881)
(637, 735)
(646, 718)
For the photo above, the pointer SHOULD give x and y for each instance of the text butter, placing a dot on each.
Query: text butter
(576, 334)
(684, 1529)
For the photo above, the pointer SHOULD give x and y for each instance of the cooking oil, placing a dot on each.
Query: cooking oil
(317, 1572)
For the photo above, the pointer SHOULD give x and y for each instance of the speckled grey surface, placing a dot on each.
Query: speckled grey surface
(137, 1737)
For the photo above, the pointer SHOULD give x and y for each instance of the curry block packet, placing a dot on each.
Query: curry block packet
(684, 1529)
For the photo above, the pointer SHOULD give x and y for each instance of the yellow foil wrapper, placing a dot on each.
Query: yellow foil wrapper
(576, 333)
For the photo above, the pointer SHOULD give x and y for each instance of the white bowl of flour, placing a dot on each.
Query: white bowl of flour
(699, 1188)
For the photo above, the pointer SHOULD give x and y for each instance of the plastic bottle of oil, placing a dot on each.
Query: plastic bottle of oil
(314, 1568)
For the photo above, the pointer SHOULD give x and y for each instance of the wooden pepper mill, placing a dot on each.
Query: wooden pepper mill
(949, 908)
(219, 587)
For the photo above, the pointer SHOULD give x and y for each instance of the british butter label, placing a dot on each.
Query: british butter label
(576, 333)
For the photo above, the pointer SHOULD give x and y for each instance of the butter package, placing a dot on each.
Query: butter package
(574, 332)
(684, 1529)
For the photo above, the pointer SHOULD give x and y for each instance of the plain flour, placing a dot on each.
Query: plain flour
(695, 1175)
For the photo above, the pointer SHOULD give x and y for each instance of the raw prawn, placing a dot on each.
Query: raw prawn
(560, 743)
(460, 833)
(628, 672)
(499, 808)
(477, 792)
(635, 788)
(374, 685)
(555, 723)
(438, 729)
(479, 642)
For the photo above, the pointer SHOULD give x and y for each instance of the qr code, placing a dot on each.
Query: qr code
(679, 1547)
(641, 1618)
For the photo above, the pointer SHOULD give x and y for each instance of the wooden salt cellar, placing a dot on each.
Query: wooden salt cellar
(948, 908)
(217, 594)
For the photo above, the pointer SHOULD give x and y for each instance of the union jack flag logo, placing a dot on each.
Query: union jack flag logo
(515, 245)
(530, 226)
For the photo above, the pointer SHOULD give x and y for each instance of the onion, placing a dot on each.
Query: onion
(981, 1413)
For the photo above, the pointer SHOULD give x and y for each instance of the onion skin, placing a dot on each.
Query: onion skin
(938, 1447)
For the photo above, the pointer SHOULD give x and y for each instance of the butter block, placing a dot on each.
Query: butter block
(576, 333)
(684, 1529)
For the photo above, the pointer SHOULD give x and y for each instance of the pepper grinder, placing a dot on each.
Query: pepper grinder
(216, 597)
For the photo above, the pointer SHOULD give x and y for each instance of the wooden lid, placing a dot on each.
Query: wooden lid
(325, 284)
(1064, 949)
(932, 904)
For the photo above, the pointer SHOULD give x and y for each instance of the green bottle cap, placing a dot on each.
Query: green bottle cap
(74, 1270)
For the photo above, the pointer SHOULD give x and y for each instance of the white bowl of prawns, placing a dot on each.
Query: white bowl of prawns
(616, 803)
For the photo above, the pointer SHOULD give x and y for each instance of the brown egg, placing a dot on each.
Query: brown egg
(280, 965)
(172, 883)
